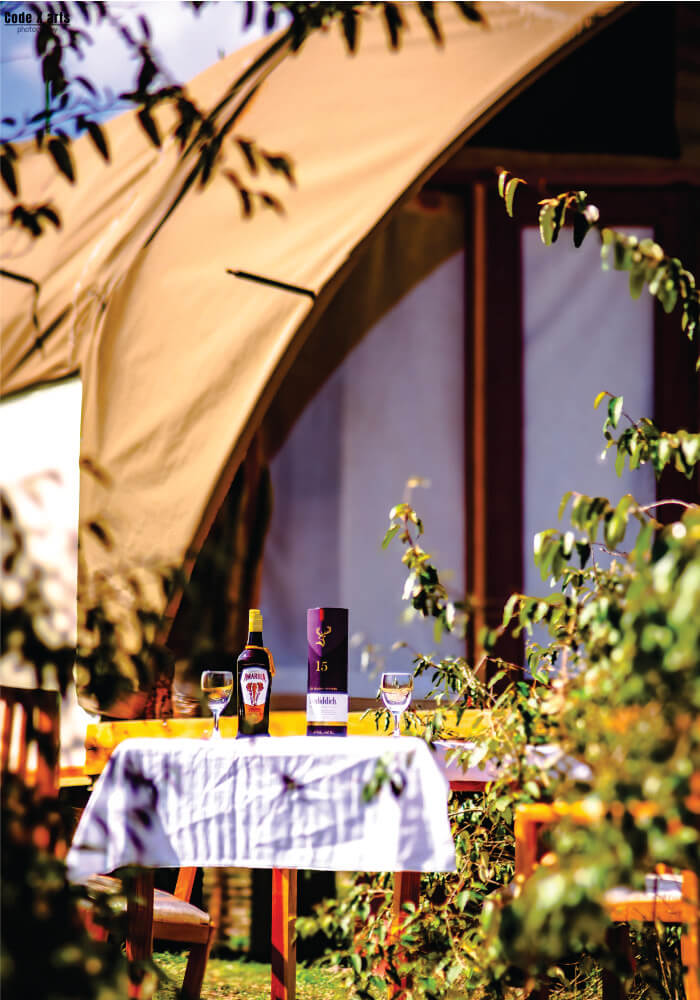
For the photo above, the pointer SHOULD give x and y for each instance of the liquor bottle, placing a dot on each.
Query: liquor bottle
(327, 687)
(255, 668)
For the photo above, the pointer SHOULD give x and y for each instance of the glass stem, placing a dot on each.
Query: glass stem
(397, 727)
(216, 724)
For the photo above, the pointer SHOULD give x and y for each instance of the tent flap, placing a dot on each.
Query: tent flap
(179, 357)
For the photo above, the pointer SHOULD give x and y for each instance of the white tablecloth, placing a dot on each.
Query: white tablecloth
(547, 757)
(293, 802)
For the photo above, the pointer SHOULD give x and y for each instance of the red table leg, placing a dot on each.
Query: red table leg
(284, 949)
(406, 890)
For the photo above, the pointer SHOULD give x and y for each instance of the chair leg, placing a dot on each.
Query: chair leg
(690, 956)
(618, 940)
(196, 967)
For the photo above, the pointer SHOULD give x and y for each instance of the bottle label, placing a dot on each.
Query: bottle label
(328, 706)
(254, 684)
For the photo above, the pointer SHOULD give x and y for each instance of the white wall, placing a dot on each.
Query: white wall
(39, 453)
(582, 333)
(392, 411)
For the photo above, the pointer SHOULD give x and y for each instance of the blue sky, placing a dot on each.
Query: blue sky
(185, 43)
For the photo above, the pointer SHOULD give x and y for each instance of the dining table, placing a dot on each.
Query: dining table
(358, 803)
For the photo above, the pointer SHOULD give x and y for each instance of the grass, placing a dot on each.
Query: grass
(236, 979)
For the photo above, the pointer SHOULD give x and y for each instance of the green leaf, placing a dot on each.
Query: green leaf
(668, 294)
(149, 126)
(394, 23)
(509, 608)
(98, 138)
(349, 24)
(48, 213)
(690, 446)
(567, 544)
(642, 546)
(581, 227)
(62, 158)
(249, 152)
(8, 174)
(608, 238)
(428, 12)
(547, 222)
(584, 553)
(579, 511)
(615, 410)
(391, 533)
(636, 453)
(663, 453)
(620, 461)
(510, 190)
(615, 527)
(558, 217)
(637, 280)
(619, 253)
(564, 501)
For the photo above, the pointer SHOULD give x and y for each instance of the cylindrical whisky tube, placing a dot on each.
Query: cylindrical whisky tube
(327, 687)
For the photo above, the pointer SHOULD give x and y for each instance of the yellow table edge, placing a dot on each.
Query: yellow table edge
(102, 737)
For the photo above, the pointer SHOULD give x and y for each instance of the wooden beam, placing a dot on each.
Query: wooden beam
(473, 164)
(475, 416)
(493, 418)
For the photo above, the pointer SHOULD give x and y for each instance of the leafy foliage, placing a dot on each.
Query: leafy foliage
(647, 263)
(33, 629)
(617, 690)
(46, 951)
(613, 702)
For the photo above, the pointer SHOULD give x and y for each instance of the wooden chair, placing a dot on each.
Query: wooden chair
(156, 914)
(162, 915)
(30, 737)
(670, 898)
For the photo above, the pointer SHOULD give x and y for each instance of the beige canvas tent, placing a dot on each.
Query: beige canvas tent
(180, 358)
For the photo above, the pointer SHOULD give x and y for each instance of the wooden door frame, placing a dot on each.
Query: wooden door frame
(494, 401)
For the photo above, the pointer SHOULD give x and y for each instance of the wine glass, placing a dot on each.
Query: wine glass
(217, 685)
(396, 691)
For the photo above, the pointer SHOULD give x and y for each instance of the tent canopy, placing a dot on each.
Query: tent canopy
(179, 358)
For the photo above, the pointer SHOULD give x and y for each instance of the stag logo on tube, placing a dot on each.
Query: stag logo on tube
(322, 633)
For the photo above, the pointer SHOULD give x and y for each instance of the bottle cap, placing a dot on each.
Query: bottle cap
(255, 621)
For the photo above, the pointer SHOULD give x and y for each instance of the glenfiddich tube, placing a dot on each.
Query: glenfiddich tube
(327, 687)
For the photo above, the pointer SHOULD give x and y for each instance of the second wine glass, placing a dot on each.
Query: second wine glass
(396, 691)
(217, 685)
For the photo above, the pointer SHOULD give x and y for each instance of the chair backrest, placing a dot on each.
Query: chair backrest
(29, 730)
